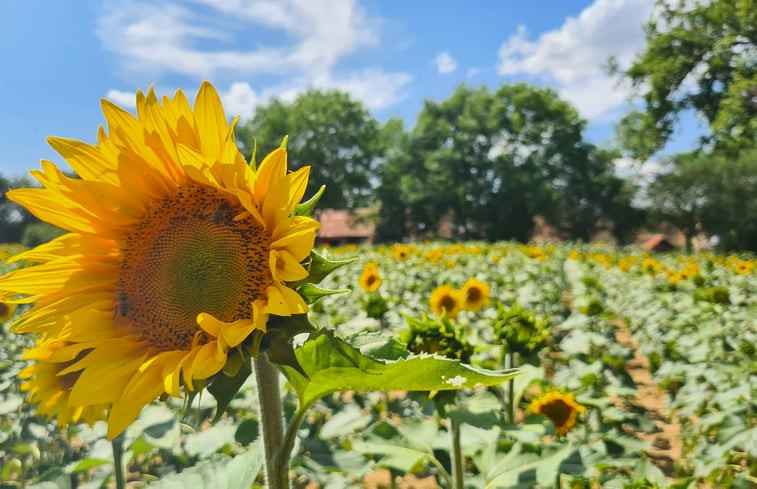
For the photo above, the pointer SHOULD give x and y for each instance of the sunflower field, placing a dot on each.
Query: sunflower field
(638, 370)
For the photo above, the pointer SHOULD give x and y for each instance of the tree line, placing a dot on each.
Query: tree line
(486, 161)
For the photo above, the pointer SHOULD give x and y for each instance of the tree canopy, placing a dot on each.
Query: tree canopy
(702, 56)
(487, 162)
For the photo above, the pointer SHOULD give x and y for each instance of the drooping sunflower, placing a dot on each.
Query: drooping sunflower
(50, 391)
(561, 408)
(177, 250)
(370, 279)
(475, 294)
(445, 299)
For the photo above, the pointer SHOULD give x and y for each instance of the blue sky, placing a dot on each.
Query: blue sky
(60, 58)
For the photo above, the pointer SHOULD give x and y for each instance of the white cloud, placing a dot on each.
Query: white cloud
(202, 39)
(444, 63)
(126, 100)
(240, 100)
(175, 37)
(374, 88)
(573, 57)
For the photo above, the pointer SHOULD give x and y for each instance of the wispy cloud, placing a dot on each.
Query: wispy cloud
(444, 63)
(210, 39)
(573, 57)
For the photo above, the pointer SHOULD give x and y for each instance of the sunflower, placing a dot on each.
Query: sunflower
(475, 294)
(445, 300)
(50, 390)
(401, 252)
(561, 408)
(370, 278)
(177, 250)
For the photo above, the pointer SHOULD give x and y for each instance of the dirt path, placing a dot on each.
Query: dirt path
(666, 443)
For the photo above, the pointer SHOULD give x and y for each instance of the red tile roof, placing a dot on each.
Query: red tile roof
(337, 224)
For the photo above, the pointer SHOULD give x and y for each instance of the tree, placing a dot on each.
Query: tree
(328, 130)
(700, 55)
(711, 193)
(13, 218)
(488, 162)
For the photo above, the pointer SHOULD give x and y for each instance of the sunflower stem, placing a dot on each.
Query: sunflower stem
(457, 454)
(276, 463)
(510, 363)
(118, 464)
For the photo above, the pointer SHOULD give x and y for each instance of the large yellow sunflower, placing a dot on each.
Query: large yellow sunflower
(445, 299)
(475, 294)
(50, 391)
(177, 250)
(561, 408)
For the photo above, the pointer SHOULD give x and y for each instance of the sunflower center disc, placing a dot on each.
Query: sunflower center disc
(448, 303)
(474, 294)
(188, 256)
(558, 411)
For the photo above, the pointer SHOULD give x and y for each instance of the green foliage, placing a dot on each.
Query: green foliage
(487, 162)
(521, 330)
(703, 353)
(329, 364)
(437, 336)
(701, 56)
(710, 193)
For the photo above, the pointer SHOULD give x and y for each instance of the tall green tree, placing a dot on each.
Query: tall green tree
(328, 130)
(710, 193)
(700, 55)
(487, 162)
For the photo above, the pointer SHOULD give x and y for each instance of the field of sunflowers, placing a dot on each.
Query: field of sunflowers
(639, 370)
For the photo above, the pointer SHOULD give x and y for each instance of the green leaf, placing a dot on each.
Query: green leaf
(157, 426)
(211, 440)
(224, 387)
(218, 472)
(347, 420)
(518, 468)
(330, 364)
(378, 345)
(306, 208)
(312, 293)
(320, 267)
(88, 463)
(644, 469)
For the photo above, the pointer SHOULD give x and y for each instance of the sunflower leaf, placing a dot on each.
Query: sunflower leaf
(319, 268)
(312, 293)
(330, 364)
(306, 208)
(224, 387)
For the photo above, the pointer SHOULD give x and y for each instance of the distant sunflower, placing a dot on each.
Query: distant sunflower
(401, 252)
(475, 294)
(50, 390)
(370, 278)
(445, 299)
(177, 250)
(561, 408)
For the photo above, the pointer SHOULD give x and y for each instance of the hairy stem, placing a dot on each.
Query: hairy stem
(276, 460)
